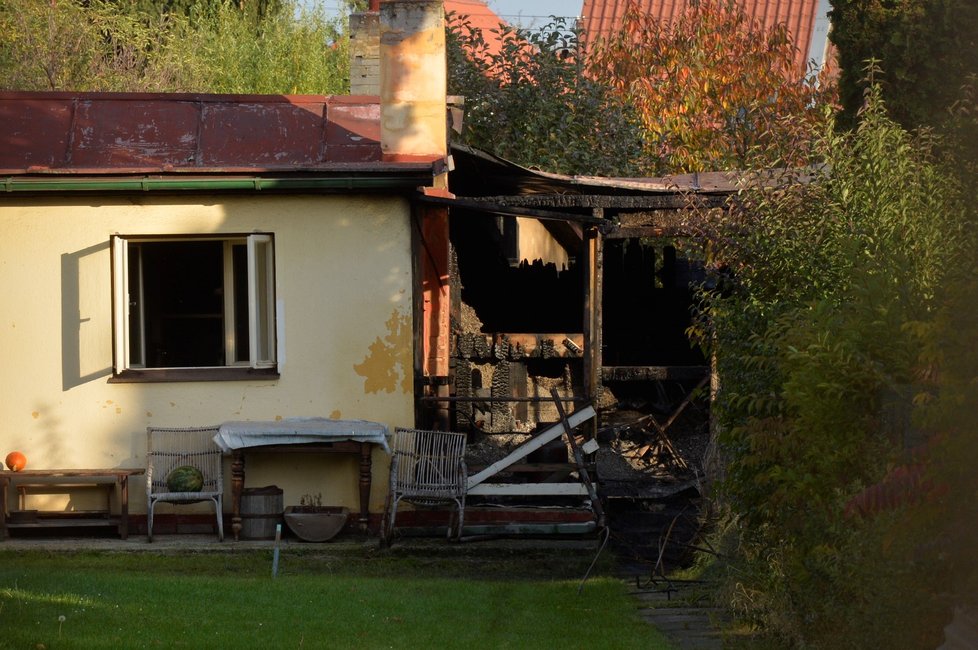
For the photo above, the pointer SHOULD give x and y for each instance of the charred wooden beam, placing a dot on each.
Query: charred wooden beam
(501, 386)
(568, 234)
(652, 231)
(518, 346)
(482, 205)
(660, 219)
(654, 373)
(553, 432)
(462, 400)
(519, 380)
(662, 223)
(463, 388)
(664, 201)
(520, 468)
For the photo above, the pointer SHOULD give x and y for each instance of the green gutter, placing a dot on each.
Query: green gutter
(255, 184)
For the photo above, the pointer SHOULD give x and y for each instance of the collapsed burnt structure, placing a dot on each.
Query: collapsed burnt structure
(539, 295)
(575, 287)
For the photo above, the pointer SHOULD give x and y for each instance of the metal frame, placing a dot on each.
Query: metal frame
(427, 468)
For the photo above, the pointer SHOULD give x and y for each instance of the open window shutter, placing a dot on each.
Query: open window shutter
(261, 300)
(120, 303)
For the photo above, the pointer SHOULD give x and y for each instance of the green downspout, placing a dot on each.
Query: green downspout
(13, 184)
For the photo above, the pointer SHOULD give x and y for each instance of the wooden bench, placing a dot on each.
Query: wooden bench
(65, 481)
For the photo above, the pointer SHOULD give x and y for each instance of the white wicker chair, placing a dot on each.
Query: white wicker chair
(427, 468)
(169, 448)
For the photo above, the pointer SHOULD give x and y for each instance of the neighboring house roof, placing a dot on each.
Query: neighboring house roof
(806, 20)
(79, 134)
(477, 15)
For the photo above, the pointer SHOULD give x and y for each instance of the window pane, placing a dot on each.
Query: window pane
(239, 254)
(183, 303)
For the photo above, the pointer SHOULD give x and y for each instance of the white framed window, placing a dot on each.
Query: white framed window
(193, 302)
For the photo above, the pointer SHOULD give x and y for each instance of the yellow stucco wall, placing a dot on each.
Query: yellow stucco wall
(536, 243)
(343, 287)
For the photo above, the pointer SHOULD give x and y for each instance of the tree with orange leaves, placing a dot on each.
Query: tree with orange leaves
(714, 89)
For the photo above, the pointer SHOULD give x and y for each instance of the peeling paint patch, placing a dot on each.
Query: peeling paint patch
(336, 415)
(389, 359)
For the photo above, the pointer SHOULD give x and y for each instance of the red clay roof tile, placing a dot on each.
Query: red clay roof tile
(601, 17)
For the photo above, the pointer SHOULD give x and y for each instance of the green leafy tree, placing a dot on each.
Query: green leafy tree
(256, 10)
(529, 101)
(214, 46)
(219, 49)
(926, 49)
(65, 45)
(715, 90)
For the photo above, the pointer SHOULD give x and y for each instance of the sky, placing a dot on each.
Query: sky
(534, 13)
(525, 13)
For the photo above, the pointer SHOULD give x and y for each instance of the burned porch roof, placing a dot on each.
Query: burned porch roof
(168, 136)
(480, 173)
(486, 183)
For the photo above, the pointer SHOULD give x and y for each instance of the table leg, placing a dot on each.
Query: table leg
(124, 506)
(237, 485)
(4, 484)
(365, 450)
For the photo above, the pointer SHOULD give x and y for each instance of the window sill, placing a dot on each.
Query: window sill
(152, 375)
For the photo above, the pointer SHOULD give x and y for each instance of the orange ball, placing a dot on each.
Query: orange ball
(16, 461)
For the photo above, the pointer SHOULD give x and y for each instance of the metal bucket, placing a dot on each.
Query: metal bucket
(261, 510)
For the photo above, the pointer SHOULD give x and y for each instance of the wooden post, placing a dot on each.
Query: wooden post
(587, 262)
(436, 304)
(4, 486)
(237, 485)
(365, 479)
(592, 253)
(123, 480)
(597, 314)
(579, 459)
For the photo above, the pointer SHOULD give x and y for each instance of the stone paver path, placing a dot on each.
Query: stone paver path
(688, 627)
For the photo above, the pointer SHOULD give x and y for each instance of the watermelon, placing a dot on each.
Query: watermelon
(185, 478)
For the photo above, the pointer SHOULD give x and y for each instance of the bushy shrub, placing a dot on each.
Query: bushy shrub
(831, 341)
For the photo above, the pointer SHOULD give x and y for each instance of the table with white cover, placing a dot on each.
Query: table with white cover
(300, 435)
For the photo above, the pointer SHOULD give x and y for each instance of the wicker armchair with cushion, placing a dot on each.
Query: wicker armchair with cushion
(178, 459)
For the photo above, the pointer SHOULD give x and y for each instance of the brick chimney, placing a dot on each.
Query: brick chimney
(365, 51)
(413, 79)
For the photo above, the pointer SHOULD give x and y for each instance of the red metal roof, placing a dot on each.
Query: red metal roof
(601, 17)
(119, 133)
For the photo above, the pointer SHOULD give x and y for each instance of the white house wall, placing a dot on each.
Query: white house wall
(343, 288)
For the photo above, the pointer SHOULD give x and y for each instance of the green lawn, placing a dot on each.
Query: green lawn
(224, 600)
